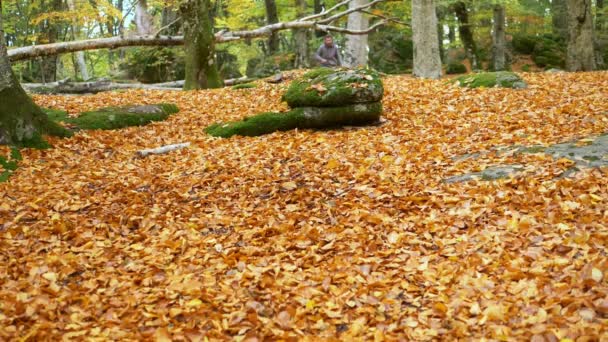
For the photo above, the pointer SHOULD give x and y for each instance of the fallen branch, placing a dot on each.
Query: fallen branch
(162, 149)
(29, 52)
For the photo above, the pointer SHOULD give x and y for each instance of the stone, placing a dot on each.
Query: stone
(500, 79)
(326, 87)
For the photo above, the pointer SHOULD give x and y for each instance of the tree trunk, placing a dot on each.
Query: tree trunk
(21, 120)
(599, 17)
(201, 65)
(300, 37)
(466, 34)
(169, 21)
(581, 53)
(318, 8)
(427, 62)
(451, 34)
(356, 49)
(49, 34)
(272, 17)
(559, 19)
(143, 20)
(499, 42)
(440, 33)
(79, 58)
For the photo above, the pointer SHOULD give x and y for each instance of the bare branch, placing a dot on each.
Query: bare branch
(351, 32)
(391, 19)
(351, 10)
(326, 12)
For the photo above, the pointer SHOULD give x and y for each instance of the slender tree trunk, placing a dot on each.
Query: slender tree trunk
(201, 64)
(466, 34)
(49, 34)
(451, 34)
(21, 120)
(581, 52)
(272, 17)
(559, 18)
(318, 8)
(499, 61)
(301, 38)
(79, 58)
(440, 32)
(599, 17)
(427, 62)
(169, 21)
(143, 20)
(356, 49)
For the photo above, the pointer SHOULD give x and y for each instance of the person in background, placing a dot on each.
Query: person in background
(328, 54)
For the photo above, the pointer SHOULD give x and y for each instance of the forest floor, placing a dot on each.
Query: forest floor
(335, 234)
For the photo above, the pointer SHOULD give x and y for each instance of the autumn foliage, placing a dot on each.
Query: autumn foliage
(338, 234)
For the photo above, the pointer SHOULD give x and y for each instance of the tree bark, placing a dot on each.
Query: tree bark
(318, 8)
(143, 20)
(356, 49)
(427, 62)
(499, 61)
(581, 53)
(201, 65)
(272, 17)
(440, 32)
(599, 17)
(300, 37)
(79, 58)
(466, 34)
(559, 18)
(21, 120)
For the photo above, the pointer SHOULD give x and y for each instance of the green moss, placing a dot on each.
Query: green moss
(502, 79)
(244, 86)
(260, 124)
(318, 72)
(325, 87)
(303, 117)
(455, 68)
(115, 117)
(9, 165)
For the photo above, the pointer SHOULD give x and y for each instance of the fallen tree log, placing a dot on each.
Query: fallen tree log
(162, 149)
(93, 87)
(311, 22)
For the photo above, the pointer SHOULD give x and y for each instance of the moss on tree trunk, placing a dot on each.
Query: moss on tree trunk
(201, 65)
(22, 122)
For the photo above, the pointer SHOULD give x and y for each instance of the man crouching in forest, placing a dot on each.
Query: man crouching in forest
(328, 54)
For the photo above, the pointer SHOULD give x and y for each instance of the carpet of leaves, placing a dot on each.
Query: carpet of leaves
(336, 234)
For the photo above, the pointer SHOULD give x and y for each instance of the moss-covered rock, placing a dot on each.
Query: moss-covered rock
(501, 79)
(455, 68)
(115, 117)
(302, 117)
(326, 87)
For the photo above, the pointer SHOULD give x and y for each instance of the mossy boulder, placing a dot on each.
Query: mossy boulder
(455, 68)
(322, 98)
(302, 117)
(501, 79)
(326, 87)
(115, 117)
